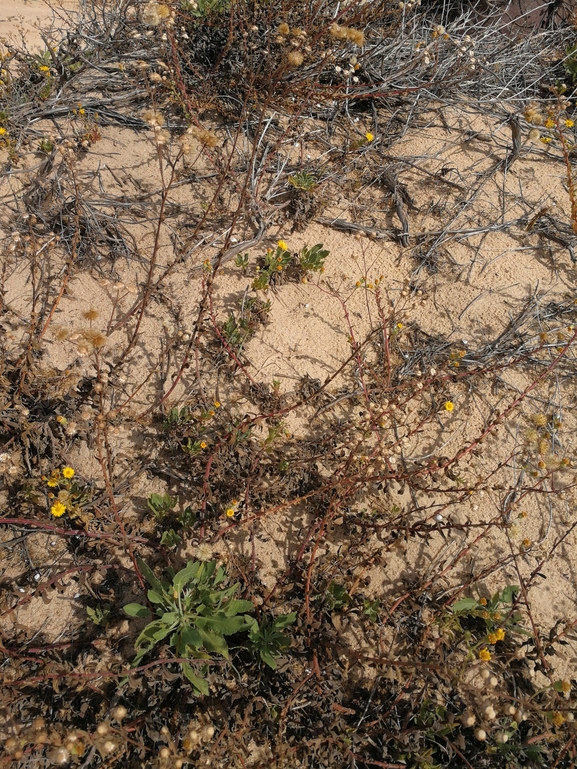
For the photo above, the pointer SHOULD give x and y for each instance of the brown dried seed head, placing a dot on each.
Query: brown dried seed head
(94, 337)
(283, 29)
(60, 332)
(295, 58)
(205, 137)
(90, 314)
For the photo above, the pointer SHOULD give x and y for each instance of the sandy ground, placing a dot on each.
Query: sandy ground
(23, 19)
(476, 285)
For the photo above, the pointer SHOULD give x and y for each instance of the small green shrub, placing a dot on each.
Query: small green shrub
(196, 613)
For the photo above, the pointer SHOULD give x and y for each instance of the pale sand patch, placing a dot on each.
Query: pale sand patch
(23, 20)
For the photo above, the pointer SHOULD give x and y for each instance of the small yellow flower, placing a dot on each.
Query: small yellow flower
(492, 638)
(68, 472)
(485, 655)
(81, 111)
(399, 326)
(526, 543)
(52, 483)
(44, 68)
(3, 131)
(282, 245)
(558, 719)
(203, 444)
(211, 413)
(545, 139)
(217, 404)
(449, 406)
(500, 634)
(483, 601)
(58, 509)
(230, 512)
(569, 123)
(369, 136)
(279, 267)
(549, 123)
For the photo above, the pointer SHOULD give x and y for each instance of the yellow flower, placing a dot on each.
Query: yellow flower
(217, 404)
(549, 123)
(569, 123)
(558, 719)
(58, 509)
(492, 638)
(81, 111)
(500, 634)
(449, 406)
(485, 655)
(369, 136)
(203, 444)
(68, 472)
(527, 543)
(281, 244)
(3, 131)
(545, 139)
(483, 601)
(230, 512)
(52, 483)
(399, 326)
(44, 68)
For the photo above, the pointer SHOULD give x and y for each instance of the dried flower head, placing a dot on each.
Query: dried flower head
(90, 314)
(204, 552)
(150, 15)
(295, 58)
(347, 33)
(162, 137)
(207, 138)
(84, 348)
(59, 756)
(283, 29)
(94, 337)
(153, 118)
(60, 332)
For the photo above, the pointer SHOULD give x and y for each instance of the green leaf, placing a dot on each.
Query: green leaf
(170, 538)
(148, 575)
(191, 571)
(221, 624)
(199, 684)
(253, 629)
(465, 604)
(213, 642)
(268, 659)
(510, 593)
(135, 610)
(191, 637)
(155, 597)
(148, 635)
(237, 606)
(284, 620)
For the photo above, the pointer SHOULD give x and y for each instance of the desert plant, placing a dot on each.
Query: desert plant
(194, 611)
